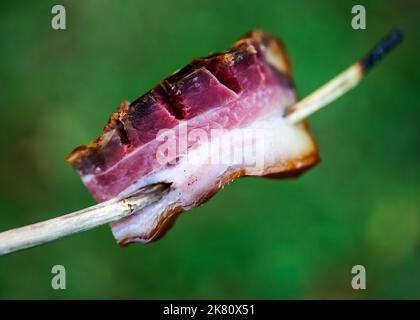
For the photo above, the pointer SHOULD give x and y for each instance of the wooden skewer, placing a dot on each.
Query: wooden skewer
(82, 220)
(342, 83)
(115, 209)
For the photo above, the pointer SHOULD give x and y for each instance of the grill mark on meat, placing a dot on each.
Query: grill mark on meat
(219, 64)
(186, 89)
(170, 106)
(168, 86)
(142, 106)
(122, 133)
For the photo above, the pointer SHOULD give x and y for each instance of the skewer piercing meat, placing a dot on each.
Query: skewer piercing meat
(166, 134)
(154, 158)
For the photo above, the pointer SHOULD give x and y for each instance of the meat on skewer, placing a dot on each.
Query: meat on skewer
(233, 102)
(143, 182)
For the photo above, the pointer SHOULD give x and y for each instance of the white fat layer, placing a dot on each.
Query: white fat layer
(192, 178)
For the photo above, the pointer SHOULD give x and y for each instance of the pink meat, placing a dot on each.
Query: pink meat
(246, 88)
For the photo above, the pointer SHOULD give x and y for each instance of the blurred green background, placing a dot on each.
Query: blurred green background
(258, 238)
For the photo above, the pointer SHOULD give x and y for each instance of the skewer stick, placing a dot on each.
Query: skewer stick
(82, 220)
(342, 83)
(115, 209)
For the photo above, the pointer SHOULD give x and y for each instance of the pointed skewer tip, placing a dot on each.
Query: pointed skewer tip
(391, 40)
